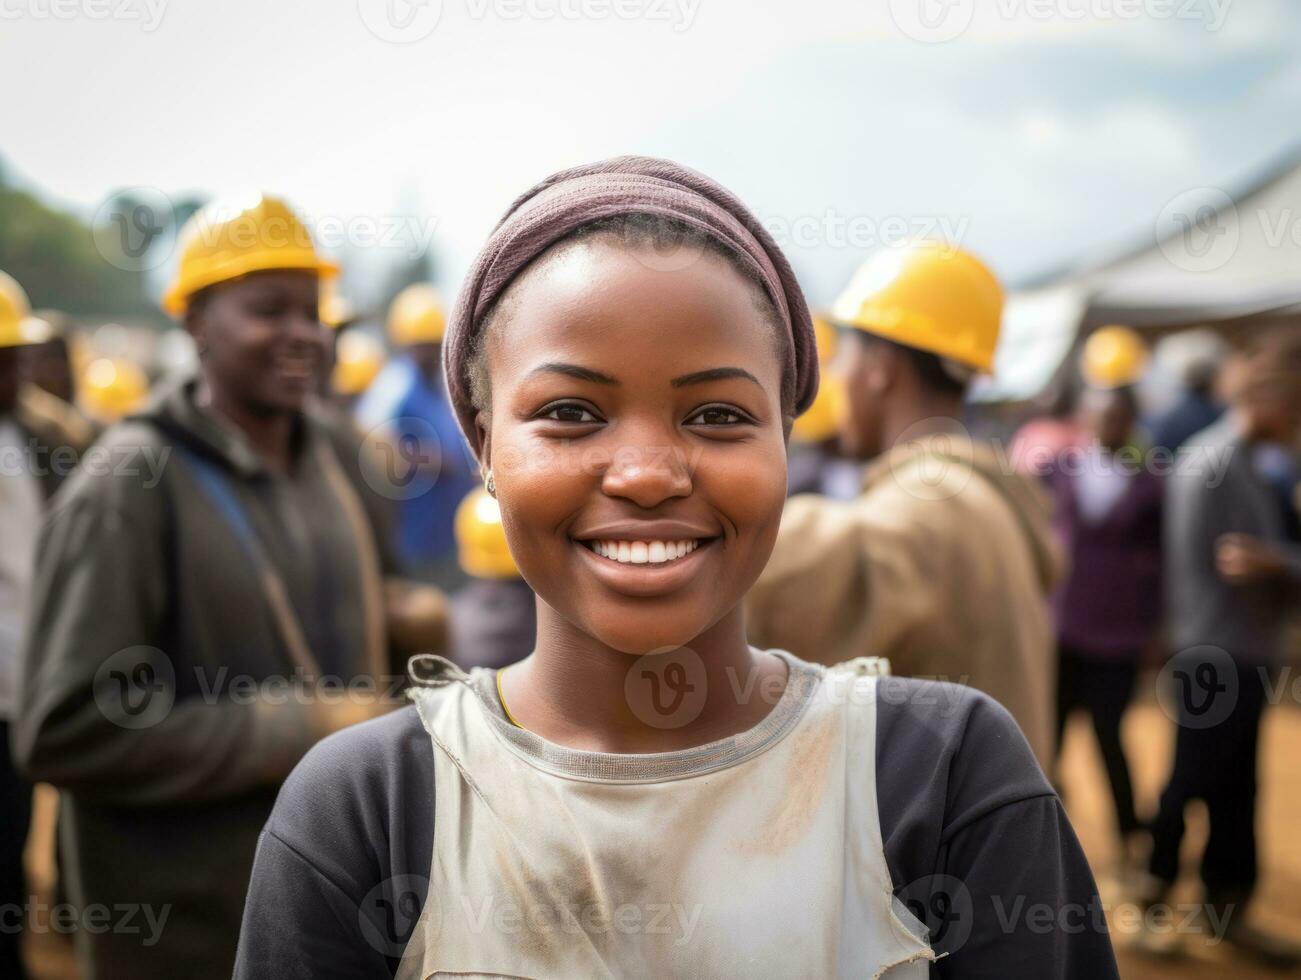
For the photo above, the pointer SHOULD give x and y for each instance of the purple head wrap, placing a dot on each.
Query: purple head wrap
(628, 185)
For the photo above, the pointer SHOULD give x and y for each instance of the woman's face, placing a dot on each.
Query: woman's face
(264, 346)
(635, 439)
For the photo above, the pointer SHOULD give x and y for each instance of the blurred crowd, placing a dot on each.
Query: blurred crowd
(221, 545)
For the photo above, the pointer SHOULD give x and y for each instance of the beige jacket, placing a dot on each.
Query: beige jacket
(942, 564)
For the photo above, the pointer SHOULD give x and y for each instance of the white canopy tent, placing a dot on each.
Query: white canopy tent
(1232, 262)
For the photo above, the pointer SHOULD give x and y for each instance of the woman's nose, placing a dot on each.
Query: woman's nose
(648, 474)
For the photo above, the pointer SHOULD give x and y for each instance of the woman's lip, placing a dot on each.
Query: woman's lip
(647, 579)
(645, 531)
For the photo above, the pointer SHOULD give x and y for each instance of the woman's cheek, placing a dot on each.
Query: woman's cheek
(749, 489)
(540, 485)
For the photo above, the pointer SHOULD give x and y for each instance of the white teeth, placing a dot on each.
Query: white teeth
(643, 552)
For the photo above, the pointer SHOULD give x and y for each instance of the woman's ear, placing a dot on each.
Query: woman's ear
(483, 426)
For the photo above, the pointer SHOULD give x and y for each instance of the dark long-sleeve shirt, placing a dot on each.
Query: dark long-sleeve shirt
(976, 842)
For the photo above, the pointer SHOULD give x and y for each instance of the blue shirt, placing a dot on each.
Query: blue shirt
(422, 429)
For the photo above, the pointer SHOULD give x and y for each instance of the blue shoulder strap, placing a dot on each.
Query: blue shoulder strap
(215, 487)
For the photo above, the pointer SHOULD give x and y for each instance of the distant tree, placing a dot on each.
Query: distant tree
(62, 264)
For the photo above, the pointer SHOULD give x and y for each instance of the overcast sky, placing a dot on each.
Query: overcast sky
(1032, 130)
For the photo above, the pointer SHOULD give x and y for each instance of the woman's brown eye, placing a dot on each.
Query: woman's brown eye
(570, 413)
(717, 416)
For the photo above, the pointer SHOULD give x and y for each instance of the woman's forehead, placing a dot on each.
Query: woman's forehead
(639, 351)
(614, 304)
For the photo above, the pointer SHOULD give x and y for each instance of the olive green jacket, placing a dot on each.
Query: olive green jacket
(942, 564)
(157, 689)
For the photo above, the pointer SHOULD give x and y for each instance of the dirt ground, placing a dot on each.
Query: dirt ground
(1149, 736)
(1149, 739)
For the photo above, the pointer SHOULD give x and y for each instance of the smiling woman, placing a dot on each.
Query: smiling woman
(626, 359)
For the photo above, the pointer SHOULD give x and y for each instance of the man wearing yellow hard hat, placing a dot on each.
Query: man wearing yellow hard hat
(48, 362)
(943, 561)
(190, 598)
(40, 439)
(431, 467)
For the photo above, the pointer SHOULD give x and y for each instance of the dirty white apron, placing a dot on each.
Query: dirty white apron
(756, 856)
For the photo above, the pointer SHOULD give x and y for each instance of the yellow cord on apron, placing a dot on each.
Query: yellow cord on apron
(501, 696)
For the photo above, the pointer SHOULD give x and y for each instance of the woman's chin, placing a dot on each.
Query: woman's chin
(641, 639)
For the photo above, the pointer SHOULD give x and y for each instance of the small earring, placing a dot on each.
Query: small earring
(490, 486)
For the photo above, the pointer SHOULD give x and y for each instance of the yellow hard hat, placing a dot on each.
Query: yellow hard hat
(335, 310)
(1113, 357)
(931, 296)
(357, 360)
(225, 241)
(480, 538)
(822, 418)
(112, 388)
(17, 325)
(416, 317)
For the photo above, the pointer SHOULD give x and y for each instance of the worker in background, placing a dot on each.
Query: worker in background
(1233, 570)
(814, 462)
(40, 439)
(358, 360)
(494, 615)
(1108, 608)
(429, 467)
(206, 608)
(112, 388)
(47, 361)
(1048, 433)
(944, 560)
(1196, 356)
(339, 315)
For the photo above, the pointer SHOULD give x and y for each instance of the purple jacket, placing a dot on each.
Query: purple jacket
(1109, 604)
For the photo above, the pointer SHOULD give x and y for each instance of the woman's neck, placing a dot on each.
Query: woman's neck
(269, 433)
(580, 693)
